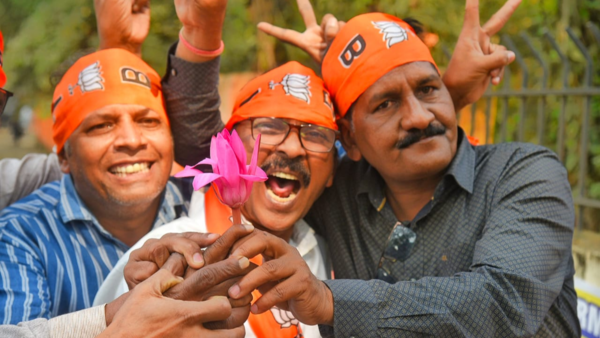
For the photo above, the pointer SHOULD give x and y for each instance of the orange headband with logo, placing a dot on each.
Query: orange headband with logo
(107, 77)
(291, 91)
(2, 75)
(366, 48)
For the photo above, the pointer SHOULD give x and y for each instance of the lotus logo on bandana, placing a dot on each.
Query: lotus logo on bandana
(90, 79)
(327, 101)
(392, 32)
(285, 318)
(296, 85)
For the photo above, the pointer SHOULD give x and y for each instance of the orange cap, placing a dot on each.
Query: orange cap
(2, 75)
(111, 76)
(291, 91)
(366, 48)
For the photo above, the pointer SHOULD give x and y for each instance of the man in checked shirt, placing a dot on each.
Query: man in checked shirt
(429, 235)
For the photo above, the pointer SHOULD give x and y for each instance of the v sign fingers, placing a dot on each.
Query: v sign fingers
(312, 40)
(501, 17)
(476, 61)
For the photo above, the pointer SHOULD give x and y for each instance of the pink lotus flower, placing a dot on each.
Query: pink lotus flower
(231, 176)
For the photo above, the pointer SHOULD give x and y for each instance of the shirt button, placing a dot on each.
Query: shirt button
(173, 72)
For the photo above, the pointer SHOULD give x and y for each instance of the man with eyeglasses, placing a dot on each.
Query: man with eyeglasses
(291, 111)
(114, 143)
(428, 235)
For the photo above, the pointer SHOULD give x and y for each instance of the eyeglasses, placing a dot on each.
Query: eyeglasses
(273, 131)
(398, 247)
(4, 96)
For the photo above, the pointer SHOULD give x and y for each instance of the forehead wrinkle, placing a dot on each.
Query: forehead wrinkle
(115, 113)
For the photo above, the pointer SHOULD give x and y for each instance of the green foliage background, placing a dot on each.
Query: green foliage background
(41, 35)
(44, 37)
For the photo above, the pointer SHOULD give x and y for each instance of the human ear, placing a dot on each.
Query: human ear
(63, 162)
(347, 139)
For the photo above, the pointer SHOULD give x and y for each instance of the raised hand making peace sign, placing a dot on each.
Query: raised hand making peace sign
(475, 63)
(315, 39)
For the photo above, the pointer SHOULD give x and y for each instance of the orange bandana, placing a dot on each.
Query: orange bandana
(107, 77)
(368, 47)
(291, 91)
(2, 75)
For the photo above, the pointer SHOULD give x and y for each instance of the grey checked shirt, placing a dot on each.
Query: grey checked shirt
(492, 256)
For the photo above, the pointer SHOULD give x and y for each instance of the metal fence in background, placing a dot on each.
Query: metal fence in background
(528, 106)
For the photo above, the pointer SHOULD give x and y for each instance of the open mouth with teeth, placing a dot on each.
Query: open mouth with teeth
(130, 169)
(282, 187)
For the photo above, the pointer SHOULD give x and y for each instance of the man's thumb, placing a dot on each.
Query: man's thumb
(162, 281)
(498, 59)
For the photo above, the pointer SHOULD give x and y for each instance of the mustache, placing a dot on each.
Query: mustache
(294, 165)
(415, 135)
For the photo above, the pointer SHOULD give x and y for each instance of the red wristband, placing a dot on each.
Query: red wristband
(206, 53)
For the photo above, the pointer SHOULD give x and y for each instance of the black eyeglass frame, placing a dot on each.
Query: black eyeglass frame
(294, 126)
(4, 96)
(393, 253)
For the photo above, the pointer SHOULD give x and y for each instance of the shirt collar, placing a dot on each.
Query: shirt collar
(71, 207)
(373, 186)
(303, 238)
(462, 169)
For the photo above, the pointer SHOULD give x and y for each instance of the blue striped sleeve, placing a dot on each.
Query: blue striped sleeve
(24, 293)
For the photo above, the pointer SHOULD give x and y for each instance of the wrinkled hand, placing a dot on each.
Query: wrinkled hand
(217, 276)
(154, 253)
(147, 313)
(476, 61)
(181, 254)
(145, 261)
(123, 23)
(284, 280)
(315, 39)
(202, 26)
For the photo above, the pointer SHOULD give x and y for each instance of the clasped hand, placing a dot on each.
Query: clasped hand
(284, 279)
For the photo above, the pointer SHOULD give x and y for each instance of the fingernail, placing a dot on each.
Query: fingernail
(217, 297)
(249, 227)
(234, 290)
(198, 258)
(254, 309)
(179, 278)
(213, 236)
(244, 262)
(511, 55)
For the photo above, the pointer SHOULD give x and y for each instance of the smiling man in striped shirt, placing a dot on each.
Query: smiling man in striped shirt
(114, 145)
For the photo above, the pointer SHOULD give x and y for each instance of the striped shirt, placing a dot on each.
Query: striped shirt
(54, 255)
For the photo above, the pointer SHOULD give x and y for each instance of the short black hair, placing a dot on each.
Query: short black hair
(415, 24)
